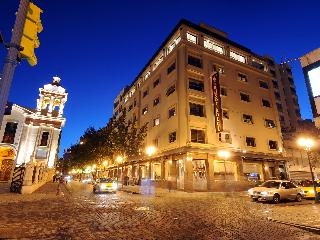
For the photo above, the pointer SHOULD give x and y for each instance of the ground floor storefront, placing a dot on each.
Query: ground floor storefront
(194, 171)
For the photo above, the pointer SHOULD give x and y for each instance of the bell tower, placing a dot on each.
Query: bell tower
(52, 98)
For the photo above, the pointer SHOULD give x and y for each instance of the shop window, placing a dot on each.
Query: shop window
(223, 91)
(225, 113)
(172, 137)
(197, 136)
(273, 145)
(192, 38)
(250, 142)
(196, 109)
(196, 85)
(9, 132)
(156, 101)
(266, 103)
(247, 118)
(244, 97)
(242, 77)
(269, 123)
(194, 61)
(263, 84)
(171, 90)
(171, 68)
(44, 139)
(172, 112)
(156, 82)
(145, 110)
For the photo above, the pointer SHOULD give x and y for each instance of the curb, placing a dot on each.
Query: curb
(315, 230)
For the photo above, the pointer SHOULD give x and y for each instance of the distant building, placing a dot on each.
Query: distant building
(191, 115)
(32, 136)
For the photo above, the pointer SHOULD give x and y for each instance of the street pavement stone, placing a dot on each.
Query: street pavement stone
(80, 214)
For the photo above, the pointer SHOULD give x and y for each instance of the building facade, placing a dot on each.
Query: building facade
(32, 136)
(202, 93)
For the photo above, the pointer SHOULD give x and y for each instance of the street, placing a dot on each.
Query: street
(80, 214)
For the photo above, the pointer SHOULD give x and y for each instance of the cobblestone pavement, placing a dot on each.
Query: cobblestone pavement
(80, 214)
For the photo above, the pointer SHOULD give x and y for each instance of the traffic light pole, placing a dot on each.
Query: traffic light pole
(11, 60)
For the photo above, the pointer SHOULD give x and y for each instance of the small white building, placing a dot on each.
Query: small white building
(30, 138)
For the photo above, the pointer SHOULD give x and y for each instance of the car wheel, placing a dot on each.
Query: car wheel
(276, 198)
(298, 198)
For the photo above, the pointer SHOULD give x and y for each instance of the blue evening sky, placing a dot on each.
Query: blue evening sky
(99, 46)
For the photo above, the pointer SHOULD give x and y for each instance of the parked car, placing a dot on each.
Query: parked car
(105, 185)
(307, 187)
(275, 191)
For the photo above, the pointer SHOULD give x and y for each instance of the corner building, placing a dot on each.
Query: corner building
(173, 94)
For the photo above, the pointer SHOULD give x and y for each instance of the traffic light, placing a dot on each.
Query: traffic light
(29, 39)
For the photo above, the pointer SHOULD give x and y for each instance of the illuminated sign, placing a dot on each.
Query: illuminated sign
(216, 102)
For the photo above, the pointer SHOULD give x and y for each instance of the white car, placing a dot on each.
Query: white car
(275, 191)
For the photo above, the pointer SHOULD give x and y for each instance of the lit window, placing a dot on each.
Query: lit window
(144, 110)
(196, 85)
(269, 123)
(266, 103)
(191, 38)
(213, 46)
(171, 90)
(244, 97)
(172, 137)
(250, 141)
(273, 145)
(247, 118)
(238, 57)
(172, 112)
(197, 136)
(242, 77)
(196, 109)
(156, 121)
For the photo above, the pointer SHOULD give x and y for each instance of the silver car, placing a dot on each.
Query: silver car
(276, 190)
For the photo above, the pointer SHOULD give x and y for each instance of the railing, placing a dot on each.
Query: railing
(17, 178)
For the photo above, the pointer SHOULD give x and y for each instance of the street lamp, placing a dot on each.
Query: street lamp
(307, 144)
(225, 155)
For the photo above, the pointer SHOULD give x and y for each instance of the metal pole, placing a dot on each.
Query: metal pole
(316, 200)
(11, 62)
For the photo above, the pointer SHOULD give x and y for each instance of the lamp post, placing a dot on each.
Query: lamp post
(225, 155)
(307, 144)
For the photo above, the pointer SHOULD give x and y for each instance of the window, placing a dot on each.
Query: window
(244, 97)
(277, 96)
(197, 136)
(208, 43)
(263, 84)
(273, 145)
(225, 114)
(194, 61)
(172, 112)
(275, 84)
(196, 85)
(242, 77)
(247, 118)
(156, 82)
(196, 109)
(145, 110)
(145, 93)
(266, 103)
(44, 139)
(279, 107)
(192, 37)
(156, 101)
(171, 90)
(269, 123)
(223, 91)
(156, 121)
(225, 137)
(250, 141)
(171, 68)
(172, 137)
(130, 108)
(9, 132)
(238, 57)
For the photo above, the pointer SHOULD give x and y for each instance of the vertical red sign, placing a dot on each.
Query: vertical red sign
(216, 101)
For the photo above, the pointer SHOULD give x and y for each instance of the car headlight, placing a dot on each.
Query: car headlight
(250, 191)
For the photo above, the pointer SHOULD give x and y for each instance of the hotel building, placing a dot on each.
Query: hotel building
(203, 96)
